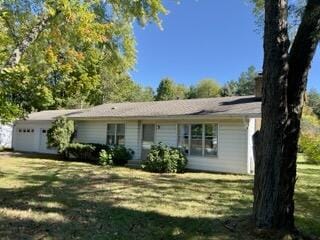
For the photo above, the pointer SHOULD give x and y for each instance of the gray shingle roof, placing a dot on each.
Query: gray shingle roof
(51, 114)
(222, 106)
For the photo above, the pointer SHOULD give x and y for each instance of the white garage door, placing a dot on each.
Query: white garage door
(43, 142)
(24, 139)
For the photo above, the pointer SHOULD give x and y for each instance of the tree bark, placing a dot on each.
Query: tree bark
(284, 86)
(300, 57)
(274, 113)
(18, 52)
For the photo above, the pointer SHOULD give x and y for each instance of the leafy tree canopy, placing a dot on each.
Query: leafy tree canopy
(169, 90)
(313, 101)
(205, 88)
(243, 86)
(81, 45)
(295, 11)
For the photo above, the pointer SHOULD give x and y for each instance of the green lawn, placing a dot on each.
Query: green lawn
(47, 199)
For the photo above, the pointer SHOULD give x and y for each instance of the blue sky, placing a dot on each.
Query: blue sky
(201, 39)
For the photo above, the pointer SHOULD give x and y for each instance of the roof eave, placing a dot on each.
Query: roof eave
(171, 117)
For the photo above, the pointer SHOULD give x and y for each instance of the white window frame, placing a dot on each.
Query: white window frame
(116, 133)
(203, 138)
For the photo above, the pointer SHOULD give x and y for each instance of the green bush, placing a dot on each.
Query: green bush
(60, 134)
(121, 155)
(81, 152)
(165, 159)
(310, 147)
(98, 147)
(99, 153)
(105, 158)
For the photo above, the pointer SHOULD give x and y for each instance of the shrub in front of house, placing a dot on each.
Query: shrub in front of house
(98, 147)
(121, 155)
(165, 159)
(115, 155)
(60, 135)
(105, 158)
(80, 152)
(99, 153)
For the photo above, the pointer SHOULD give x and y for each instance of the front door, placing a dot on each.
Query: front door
(148, 138)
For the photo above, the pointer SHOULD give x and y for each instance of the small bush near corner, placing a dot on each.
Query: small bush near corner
(165, 159)
(105, 158)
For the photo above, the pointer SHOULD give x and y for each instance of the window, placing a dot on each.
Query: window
(120, 134)
(115, 134)
(198, 139)
(211, 140)
(183, 137)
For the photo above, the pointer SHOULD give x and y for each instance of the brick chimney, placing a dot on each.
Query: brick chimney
(258, 85)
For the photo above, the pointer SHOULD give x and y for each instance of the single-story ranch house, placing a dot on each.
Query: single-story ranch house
(216, 133)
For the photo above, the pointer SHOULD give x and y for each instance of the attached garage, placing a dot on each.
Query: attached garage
(30, 135)
(214, 133)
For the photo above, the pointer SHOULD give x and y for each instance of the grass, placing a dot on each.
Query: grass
(47, 199)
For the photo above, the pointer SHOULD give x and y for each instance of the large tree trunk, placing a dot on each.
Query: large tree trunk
(284, 86)
(18, 52)
(300, 57)
(274, 114)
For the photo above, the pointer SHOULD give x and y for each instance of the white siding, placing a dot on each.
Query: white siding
(30, 142)
(232, 150)
(96, 132)
(251, 132)
(132, 138)
(167, 133)
(91, 132)
(234, 140)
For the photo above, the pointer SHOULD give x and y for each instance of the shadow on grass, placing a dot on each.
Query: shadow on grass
(66, 204)
(63, 200)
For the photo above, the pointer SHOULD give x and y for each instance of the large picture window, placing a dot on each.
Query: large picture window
(198, 139)
(115, 134)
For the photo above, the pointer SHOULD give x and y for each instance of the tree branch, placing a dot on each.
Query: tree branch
(18, 52)
(301, 54)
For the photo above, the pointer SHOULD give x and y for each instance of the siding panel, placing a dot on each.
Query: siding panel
(91, 132)
(167, 133)
(132, 138)
(232, 151)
